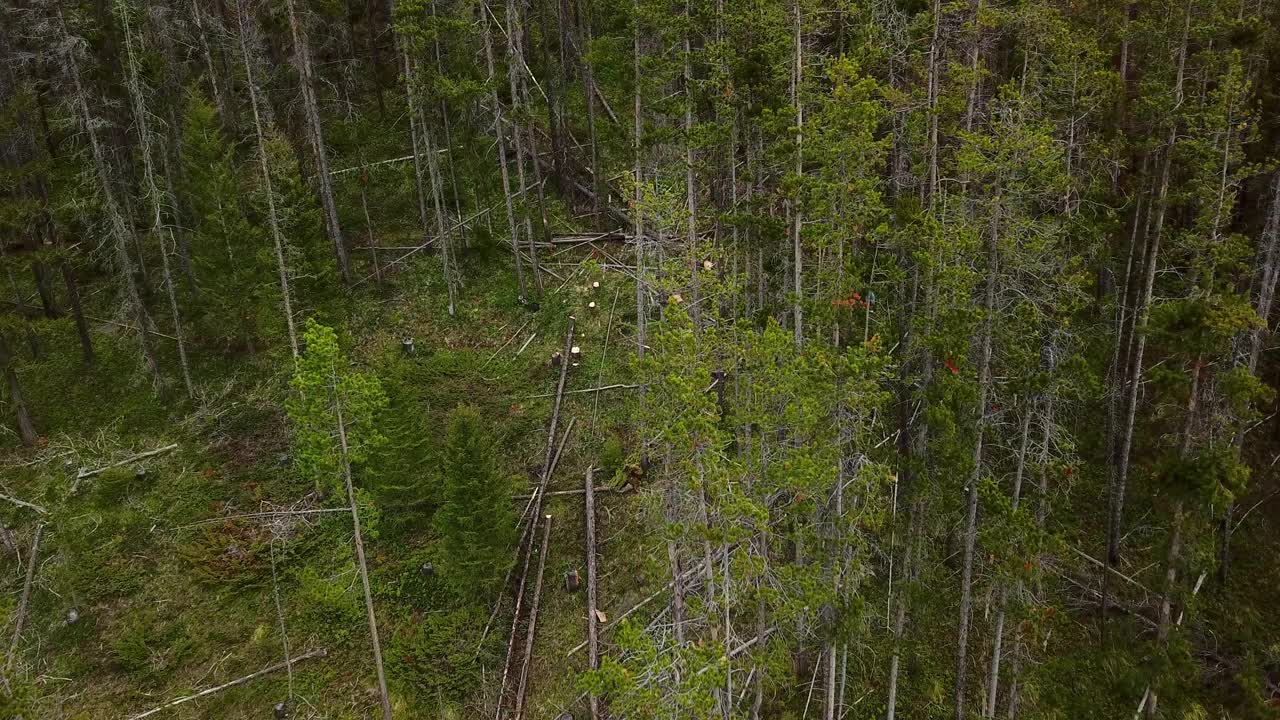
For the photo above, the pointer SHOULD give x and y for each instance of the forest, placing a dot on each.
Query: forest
(716, 359)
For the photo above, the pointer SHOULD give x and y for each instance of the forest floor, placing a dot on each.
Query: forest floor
(160, 577)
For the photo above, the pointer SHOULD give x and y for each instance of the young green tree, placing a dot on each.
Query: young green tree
(334, 416)
(231, 255)
(476, 521)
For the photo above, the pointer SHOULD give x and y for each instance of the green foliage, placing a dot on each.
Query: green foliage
(476, 521)
(231, 255)
(1212, 473)
(331, 606)
(436, 658)
(331, 400)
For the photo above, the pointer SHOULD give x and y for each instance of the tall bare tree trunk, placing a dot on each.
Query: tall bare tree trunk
(993, 679)
(589, 89)
(797, 214)
(121, 226)
(690, 179)
(156, 198)
(971, 502)
(220, 100)
(315, 131)
(637, 230)
(272, 217)
(930, 189)
(515, 67)
(499, 128)
(437, 201)
(1142, 312)
(1269, 256)
(1164, 620)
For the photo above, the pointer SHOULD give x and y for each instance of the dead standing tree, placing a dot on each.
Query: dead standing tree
(156, 199)
(121, 226)
(315, 133)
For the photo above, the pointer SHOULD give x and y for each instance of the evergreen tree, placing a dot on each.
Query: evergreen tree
(476, 521)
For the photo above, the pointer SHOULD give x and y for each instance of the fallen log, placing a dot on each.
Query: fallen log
(321, 652)
(20, 615)
(533, 617)
(24, 503)
(133, 458)
(593, 645)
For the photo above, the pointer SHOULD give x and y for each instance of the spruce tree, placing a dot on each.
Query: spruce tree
(476, 521)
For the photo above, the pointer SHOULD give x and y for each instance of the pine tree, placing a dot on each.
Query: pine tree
(476, 520)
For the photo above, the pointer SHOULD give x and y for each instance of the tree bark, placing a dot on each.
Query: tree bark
(499, 128)
(971, 502)
(121, 227)
(1143, 310)
(26, 429)
(311, 108)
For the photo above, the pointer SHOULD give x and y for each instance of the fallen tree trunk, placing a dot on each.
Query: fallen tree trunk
(20, 615)
(533, 617)
(593, 646)
(321, 652)
(140, 456)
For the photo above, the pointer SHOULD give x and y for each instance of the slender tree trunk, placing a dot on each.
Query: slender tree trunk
(444, 124)
(22, 415)
(157, 200)
(360, 559)
(690, 179)
(515, 66)
(797, 213)
(368, 221)
(1269, 257)
(593, 650)
(589, 89)
(1164, 620)
(415, 138)
(1143, 311)
(975, 54)
(121, 227)
(637, 178)
(220, 100)
(77, 312)
(44, 288)
(520, 94)
(993, 680)
(20, 613)
(971, 503)
(311, 108)
(437, 201)
(267, 188)
(501, 133)
(935, 47)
